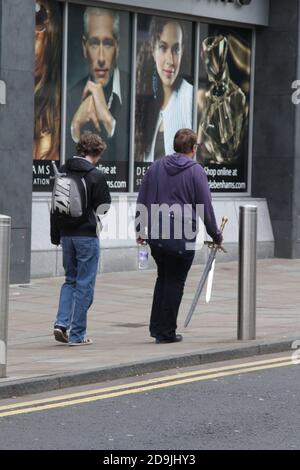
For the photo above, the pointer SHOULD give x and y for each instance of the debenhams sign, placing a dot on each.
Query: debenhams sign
(238, 2)
(252, 12)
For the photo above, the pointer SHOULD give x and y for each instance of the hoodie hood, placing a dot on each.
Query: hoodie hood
(177, 163)
(78, 164)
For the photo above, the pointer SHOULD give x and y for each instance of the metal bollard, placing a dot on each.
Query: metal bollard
(247, 273)
(5, 234)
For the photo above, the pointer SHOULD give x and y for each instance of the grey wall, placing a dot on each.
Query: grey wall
(16, 128)
(275, 150)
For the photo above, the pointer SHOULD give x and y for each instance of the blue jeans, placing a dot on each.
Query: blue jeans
(80, 261)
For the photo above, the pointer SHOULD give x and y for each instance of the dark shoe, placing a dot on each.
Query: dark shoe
(60, 334)
(175, 339)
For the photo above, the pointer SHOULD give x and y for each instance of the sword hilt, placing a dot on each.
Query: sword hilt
(223, 223)
(213, 245)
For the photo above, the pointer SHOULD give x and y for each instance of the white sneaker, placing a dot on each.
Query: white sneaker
(84, 342)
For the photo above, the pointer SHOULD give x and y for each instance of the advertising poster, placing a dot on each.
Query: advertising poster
(223, 106)
(47, 93)
(98, 87)
(164, 87)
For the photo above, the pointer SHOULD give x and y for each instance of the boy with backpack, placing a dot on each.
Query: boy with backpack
(79, 189)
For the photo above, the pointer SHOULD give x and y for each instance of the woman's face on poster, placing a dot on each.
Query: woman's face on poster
(167, 53)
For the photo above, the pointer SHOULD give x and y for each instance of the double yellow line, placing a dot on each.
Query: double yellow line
(140, 386)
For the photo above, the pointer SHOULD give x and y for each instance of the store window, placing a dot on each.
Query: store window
(223, 106)
(98, 85)
(164, 87)
(98, 92)
(47, 93)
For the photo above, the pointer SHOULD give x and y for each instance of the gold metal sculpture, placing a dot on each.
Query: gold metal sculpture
(224, 106)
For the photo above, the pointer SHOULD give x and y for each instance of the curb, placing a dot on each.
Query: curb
(56, 382)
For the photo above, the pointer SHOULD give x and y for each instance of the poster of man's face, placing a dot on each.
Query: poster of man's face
(98, 76)
(223, 102)
(102, 60)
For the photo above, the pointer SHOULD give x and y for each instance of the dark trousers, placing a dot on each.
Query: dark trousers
(172, 272)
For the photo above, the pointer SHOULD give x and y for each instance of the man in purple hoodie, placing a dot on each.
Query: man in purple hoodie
(176, 181)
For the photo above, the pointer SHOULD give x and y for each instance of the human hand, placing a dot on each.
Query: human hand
(215, 243)
(102, 112)
(84, 114)
(219, 240)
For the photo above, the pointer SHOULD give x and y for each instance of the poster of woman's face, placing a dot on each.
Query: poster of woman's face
(47, 93)
(223, 101)
(164, 87)
(98, 83)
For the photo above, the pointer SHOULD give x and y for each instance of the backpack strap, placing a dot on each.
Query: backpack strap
(57, 173)
(84, 184)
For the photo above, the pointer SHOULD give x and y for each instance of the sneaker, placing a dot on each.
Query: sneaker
(84, 342)
(60, 334)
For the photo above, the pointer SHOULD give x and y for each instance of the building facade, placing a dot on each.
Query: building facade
(135, 71)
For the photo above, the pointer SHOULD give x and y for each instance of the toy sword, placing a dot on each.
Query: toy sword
(208, 270)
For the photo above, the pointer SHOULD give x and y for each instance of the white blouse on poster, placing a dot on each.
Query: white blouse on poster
(178, 114)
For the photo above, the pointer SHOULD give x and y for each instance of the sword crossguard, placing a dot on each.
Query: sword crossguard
(214, 246)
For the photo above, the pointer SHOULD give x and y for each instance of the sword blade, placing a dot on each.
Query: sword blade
(210, 281)
(200, 286)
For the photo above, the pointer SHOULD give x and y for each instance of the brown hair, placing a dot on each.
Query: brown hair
(47, 87)
(147, 106)
(184, 141)
(90, 144)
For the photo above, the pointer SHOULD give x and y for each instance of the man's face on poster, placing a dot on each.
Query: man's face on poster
(100, 48)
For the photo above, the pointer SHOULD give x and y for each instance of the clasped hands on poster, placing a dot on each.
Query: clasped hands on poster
(93, 108)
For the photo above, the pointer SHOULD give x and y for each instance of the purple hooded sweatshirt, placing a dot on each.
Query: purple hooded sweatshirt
(181, 181)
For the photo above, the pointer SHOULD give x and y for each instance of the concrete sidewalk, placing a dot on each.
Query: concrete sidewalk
(118, 324)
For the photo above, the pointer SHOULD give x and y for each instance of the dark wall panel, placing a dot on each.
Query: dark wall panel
(274, 149)
(16, 127)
